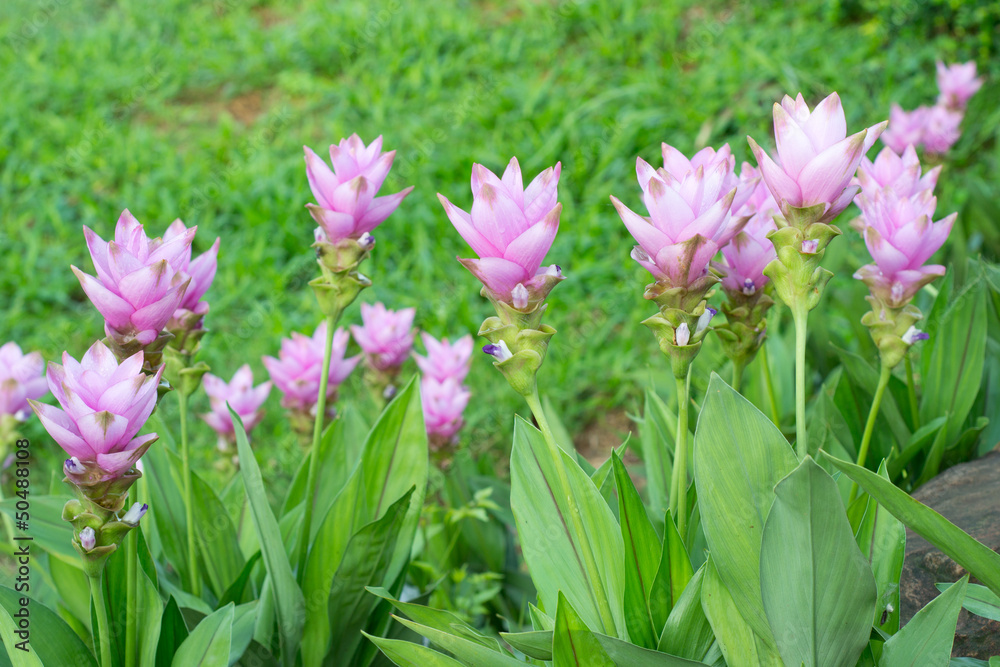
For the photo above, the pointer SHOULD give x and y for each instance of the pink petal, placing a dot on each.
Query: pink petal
(103, 431)
(337, 225)
(62, 429)
(380, 209)
(649, 237)
(795, 148)
(322, 181)
(542, 193)
(513, 182)
(497, 274)
(826, 125)
(497, 216)
(783, 188)
(829, 173)
(667, 208)
(112, 307)
(530, 248)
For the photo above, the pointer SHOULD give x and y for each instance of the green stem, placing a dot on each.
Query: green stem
(801, 316)
(883, 382)
(192, 546)
(7, 523)
(769, 385)
(738, 374)
(590, 562)
(310, 500)
(102, 638)
(131, 604)
(911, 389)
(678, 482)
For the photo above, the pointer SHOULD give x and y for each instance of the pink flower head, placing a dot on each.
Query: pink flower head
(901, 237)
(104, 404)
(22, 378)
(346, 205)
(137, 289)
(386, 335)
(689, 214)
(957, 83)
(443, 404)
(241, 395)
(906, 128)
(899, 174)
(444, 359)
(816, 158)
(941, 131)
(201, 270)
(511, 228)
(750, 250)
(299, 367)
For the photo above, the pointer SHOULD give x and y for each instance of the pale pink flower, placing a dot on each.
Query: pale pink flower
(957, 83)
(22, 378)
(941, 131)
(201, 271)
(299, 366)
(386, 336)
(443, 404)
(240, 394)
(445, 359)
(901, 174)
(746, 255)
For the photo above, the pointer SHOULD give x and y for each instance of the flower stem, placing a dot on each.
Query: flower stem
(590, 562)
(883, 382)
(738, 367)
(769, 385)
(310, 500)
(678, 482)
(192, 554)
(102, 638)
(911, 389)
(131, 601)
(801, 316)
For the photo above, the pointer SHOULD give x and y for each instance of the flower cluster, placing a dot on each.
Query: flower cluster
(442, 393)
(936, 127)
(386, 338)
(238, 394)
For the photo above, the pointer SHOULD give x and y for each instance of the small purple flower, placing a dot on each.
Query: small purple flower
(914, 334)
(386, 336)
(88, 539)
(500, 352)
(135, 513)
(299, 367)
(22, 378)
(705, 319)
(241, 395)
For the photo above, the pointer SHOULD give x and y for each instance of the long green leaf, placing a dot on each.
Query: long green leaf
(927, 639)
(173, 632)
(408, 654)
(573, 644)
(544, 501)
(52, 640)
(538, 645)
(882, 540)
(656, 439)
(289, 601)
(978, 559)
(445, 621)
(466, 650)
(864, 376)
(48, 530)
(979, 600)
(739, 457)
(209, 643)
(687, 632)
(672, 574)
(740, 646)
(218, 545)
(807, 544)
(18, 657)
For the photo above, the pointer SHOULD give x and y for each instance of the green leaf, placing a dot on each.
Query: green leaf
(289, 601)
(808, 544)
(218, 547)
(920, 440)
(408, 654)
(979, 600)
(18, 658)
(951, 380)
(549, 493)
(865, 377)
(445, 621)
(209, 643)
(573, 644)
(642, 556)
(48, 530)
(466, 650)
(978, 559)
(235, 591)
(672, 575)
(559, 431)
(740, 646)
(169, 514)
(657, 432)
(926, 640)
(366, 562)
(739, 457)
(537, 644)
(52, 640)
(687, 632)
(882, 540)
(173, 632)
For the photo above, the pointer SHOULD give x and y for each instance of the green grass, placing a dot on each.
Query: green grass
(200, 110)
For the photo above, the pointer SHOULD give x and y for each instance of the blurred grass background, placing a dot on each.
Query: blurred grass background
(199, 110)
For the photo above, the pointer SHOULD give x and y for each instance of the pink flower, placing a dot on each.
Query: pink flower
(201, 271)
(443, 404)
(511, 228)
(750, 250)
(901, 237)
(816, 158)
(386, 335)
(299, 367)
(104, 404)
(22, 378)
(136, 289)
(957, 84)
(346, 205)
(899, 174)
(941, 131)
(906, 128)
(444, 359)
(241, 395)
(690, 213)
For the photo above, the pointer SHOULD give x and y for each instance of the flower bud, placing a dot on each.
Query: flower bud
(135, 513)
(914, 334)
(682, 334)
(705, 318)
(88, 539)
(500, 351)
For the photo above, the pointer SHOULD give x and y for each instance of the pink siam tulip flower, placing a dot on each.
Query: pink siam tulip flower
(386, 336)
(104, 404)
(299, 367)
(346, 205)
(690, 216)
(816, 158)
(200, 270)
(941, 131)
(957, 84)
(901, 237)
(678, 166)
(445, 360)
(241, 395)
(136, 289)
(22, 378)
(443, 404)
(902, 175)
(511, 228)
(750, 250)
(906, 128)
